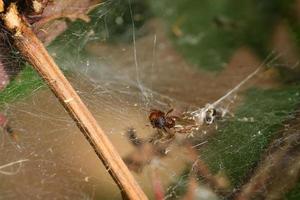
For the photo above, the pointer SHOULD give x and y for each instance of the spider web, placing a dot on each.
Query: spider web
(46, 156)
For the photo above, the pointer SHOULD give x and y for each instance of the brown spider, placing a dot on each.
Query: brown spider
(161, 120)
(166, 125)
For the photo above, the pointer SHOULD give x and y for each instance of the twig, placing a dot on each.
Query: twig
(35, 53)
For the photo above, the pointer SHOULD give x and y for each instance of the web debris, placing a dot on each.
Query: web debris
(212, 111)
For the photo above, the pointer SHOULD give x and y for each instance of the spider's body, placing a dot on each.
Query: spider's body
(162, 121)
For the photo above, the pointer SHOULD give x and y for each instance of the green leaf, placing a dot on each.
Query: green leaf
(239, 143)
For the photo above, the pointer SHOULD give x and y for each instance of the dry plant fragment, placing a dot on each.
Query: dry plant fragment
(37, 6)
(35, 53)
(69, 9)
(53, 19)
(11, 19)
(1, 6)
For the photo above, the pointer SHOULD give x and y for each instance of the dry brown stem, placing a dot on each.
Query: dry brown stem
(35, 53)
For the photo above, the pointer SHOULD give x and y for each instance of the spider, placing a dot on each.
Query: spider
(162, 121)
(167, 127)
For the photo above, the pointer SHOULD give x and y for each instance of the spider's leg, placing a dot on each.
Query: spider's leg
(165, 140)
(171, 110)
(174, 117)
(165, 129)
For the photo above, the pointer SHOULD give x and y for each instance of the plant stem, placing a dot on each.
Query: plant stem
(35, 53)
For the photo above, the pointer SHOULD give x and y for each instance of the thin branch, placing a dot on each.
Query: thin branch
(35, 53)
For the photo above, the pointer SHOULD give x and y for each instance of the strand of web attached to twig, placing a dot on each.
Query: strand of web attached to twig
(11, 164)
(245, 80)
(152, 64)
(237, 87)
(135, 55)
(208, 113)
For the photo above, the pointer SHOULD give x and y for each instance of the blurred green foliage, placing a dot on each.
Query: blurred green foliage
(23, 85)
(238, 144)
(212, 30)
(113, 21)
(294, 194)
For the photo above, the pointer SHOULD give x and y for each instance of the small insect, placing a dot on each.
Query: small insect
(208, 115)
(162, 121)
